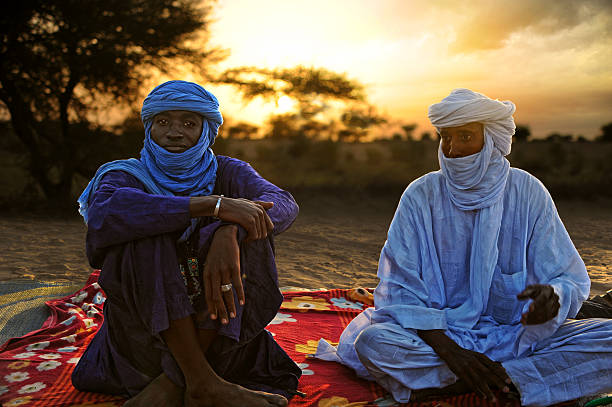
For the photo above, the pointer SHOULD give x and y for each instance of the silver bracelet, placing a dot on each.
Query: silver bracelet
(218, 206)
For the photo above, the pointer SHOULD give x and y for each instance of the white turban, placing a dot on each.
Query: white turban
(464, 106)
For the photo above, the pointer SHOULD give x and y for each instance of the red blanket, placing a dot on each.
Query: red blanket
(35, 369)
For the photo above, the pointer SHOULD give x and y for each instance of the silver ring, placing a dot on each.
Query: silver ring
(226, 287)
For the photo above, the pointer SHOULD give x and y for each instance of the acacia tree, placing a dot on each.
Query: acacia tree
(311, 87)
(314, 89)
(58, 57)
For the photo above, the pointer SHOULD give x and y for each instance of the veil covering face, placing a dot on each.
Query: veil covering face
(478, 180)
(190, 173)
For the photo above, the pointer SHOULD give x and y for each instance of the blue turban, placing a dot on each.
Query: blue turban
(190, 173)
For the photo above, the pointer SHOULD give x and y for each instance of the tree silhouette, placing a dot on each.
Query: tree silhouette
(522, 133)
(314, 89)
(606, 132)
(59, 58)
(241, 130)
(309, 86)
(426, 136)
(357, 122)
(409, 131)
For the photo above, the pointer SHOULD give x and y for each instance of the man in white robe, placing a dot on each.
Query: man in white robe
(479, 280)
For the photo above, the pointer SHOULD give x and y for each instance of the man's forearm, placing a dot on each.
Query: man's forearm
(202, 205)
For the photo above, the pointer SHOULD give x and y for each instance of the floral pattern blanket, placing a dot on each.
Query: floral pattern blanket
(35, 369)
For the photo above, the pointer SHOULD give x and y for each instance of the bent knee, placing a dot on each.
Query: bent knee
(371, 341)
(385, 341)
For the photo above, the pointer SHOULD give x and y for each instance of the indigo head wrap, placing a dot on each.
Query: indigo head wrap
(191, 172)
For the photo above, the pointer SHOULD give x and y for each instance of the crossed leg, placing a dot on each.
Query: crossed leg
(203, 386)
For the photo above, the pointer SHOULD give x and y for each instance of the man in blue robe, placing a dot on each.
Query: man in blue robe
(184, 242)
(479, 280)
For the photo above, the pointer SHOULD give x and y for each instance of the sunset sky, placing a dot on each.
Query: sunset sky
(553, 58)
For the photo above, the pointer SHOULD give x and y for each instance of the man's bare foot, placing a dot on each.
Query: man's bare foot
(227, 394)
(161, 392)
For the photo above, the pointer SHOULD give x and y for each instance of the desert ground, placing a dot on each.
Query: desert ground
(335, 242)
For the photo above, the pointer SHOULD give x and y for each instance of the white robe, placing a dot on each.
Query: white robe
(425, 279)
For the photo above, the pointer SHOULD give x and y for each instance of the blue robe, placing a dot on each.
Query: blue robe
(132, 237)
(426, 281)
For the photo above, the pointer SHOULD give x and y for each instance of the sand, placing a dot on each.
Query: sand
(333, 243)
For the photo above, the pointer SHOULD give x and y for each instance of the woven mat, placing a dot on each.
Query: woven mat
(22, 305)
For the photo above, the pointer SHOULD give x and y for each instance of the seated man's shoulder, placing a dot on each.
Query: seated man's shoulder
(121, 178)
(226, 162)
(224, 159)
(525, 183)
(423, 190)
(426, 184)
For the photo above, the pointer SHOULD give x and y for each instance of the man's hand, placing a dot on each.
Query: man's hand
(545, 305)
(251, 215)
(223, 267)
(476, 370)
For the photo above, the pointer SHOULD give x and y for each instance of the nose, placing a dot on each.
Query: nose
(174, 130)
(455, 150)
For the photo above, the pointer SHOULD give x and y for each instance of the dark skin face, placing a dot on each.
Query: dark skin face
(461, 141)
(176, 130)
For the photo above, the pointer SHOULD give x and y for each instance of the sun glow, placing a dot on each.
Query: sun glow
(284, 104)
(411, 54)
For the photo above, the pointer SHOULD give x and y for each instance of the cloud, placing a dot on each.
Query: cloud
(489, 25)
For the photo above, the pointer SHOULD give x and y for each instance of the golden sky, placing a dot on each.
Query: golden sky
(552, 58)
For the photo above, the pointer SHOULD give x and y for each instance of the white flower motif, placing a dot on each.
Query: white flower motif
(32, 388)
(280, 318)
(67, 349)
(305, 372)
(17, 377)
(75, 311)
(79, 297)
(344, 303)
(73, 360)
(89, 323)
(50, 356)
(99, 298)
(48, 365)
(70, 338)
(96, 286)
(37, 346)
(24, 355)
(92, 313)
(68, 321)
(3, 389)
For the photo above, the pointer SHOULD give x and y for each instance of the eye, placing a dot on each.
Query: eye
(162, 121)
(466, 137)
(189, 123)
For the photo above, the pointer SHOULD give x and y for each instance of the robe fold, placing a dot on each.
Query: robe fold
(132, 236)
(426, 272)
